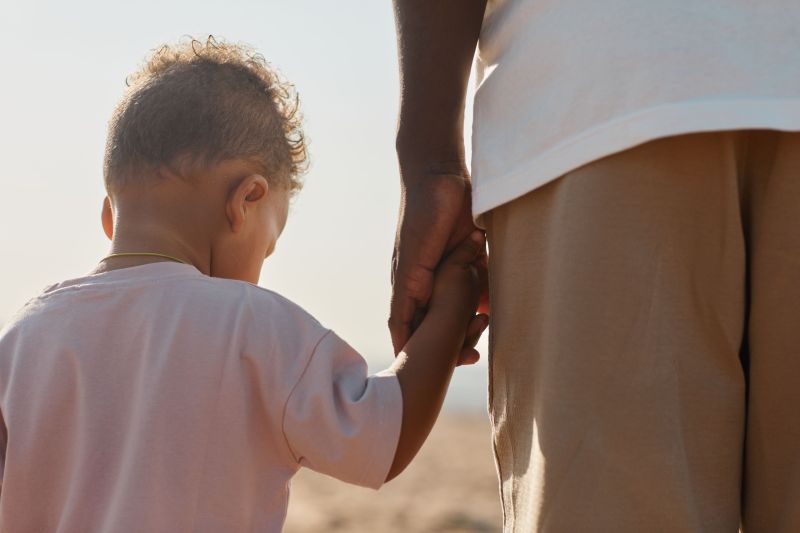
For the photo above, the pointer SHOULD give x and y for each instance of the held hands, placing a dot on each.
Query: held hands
(435, 217)
(456, 286)
(457, 292)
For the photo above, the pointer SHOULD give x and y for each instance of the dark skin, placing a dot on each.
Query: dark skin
(436, 43)
(426, 363)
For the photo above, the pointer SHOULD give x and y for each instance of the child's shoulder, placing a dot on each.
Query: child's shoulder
(170, 288)
(265, 302)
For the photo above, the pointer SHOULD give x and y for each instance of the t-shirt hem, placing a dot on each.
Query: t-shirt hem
(628, 131)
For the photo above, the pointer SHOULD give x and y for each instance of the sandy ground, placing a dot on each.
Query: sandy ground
(451, 487)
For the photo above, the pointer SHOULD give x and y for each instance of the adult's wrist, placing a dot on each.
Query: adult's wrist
(415, 164)
(421, 148)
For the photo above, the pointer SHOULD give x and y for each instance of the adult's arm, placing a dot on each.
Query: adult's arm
(436, 44)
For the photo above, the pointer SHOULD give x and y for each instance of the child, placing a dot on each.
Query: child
(166, 392)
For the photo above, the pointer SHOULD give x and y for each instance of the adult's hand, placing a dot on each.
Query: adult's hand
(435, 215)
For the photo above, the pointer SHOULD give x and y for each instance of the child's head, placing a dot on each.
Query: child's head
(206, 149)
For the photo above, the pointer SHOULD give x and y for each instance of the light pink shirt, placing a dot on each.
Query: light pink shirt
(158, 399)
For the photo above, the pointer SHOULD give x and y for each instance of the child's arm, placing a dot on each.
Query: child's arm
(426, 363)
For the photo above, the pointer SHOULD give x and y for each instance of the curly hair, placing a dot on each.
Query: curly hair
(196, 104)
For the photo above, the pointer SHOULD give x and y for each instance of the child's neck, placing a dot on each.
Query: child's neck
(148, 238)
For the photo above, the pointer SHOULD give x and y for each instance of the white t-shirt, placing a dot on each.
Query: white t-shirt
(565, 82)
(157, 399)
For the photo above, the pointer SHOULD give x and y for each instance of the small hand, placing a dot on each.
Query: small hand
(477, 325)
(457, 290)
(456, 283)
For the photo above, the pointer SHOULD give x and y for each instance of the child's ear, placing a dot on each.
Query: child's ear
(240, 200)
(107, 217)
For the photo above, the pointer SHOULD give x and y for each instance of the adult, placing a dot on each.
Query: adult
(635, 170)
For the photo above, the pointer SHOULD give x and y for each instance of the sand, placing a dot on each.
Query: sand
(451, 487)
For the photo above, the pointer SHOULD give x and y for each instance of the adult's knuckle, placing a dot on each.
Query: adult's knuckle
(417, 280)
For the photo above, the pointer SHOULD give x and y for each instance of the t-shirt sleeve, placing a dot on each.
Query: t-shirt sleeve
(3, 445)
(341, 422)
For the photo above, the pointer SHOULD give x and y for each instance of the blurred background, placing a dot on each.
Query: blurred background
(63, 70)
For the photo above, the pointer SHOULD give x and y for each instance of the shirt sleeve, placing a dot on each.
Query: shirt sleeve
(341, 422)
(3, 445)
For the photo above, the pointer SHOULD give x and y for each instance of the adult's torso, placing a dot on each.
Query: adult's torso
(565, 82)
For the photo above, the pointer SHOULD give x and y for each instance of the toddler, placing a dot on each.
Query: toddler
(165, 391)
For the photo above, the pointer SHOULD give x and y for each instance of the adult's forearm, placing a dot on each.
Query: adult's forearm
(436, 44)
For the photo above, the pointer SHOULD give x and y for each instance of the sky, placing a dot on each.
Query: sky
(64, 69)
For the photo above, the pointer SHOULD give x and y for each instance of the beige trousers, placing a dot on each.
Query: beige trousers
(645, 341)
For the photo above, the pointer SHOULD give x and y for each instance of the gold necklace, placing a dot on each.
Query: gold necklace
(148, 254)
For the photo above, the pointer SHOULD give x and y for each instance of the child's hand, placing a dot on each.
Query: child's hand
(456, 296)
(472, 247)
(456, 287)
(456, 293)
